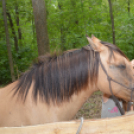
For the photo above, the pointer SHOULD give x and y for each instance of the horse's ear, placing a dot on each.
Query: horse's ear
(94, 42)
(94, 39)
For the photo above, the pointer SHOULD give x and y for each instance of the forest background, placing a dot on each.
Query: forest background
(68, 23)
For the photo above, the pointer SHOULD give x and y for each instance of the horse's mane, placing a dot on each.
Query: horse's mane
(113, 48)
(56, 78)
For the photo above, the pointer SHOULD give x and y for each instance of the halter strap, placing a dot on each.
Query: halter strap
(110, 87)
(130, 102)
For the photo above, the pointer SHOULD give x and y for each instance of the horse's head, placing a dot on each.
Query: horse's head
(115, 69)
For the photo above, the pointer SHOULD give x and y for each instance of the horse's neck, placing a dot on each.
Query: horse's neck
(67, 109)
(30, 113)
(76, 102)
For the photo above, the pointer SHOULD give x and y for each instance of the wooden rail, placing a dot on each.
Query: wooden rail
(118, 125)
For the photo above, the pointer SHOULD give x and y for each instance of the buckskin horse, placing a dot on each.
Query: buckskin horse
(56, 87)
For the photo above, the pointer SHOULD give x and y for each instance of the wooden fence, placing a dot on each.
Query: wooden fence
(118, 125)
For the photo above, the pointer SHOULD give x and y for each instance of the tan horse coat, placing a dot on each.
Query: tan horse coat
(15, 112)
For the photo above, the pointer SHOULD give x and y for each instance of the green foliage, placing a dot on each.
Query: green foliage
(22, 60)
(27, 45)
(68, 23)
(4, 64)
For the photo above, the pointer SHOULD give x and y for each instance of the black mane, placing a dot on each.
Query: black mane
(56, 78)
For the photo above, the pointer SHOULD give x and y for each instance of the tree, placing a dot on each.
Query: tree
(68, 23)
(13, 31)
(7, 41)
(62, 29)
(18, 23)
(39, 11)
(128, 2)
(112, 20)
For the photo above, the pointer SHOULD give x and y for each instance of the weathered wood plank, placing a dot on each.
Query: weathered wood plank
(118, 125)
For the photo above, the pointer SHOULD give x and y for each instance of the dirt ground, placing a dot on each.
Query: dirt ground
(92, 108)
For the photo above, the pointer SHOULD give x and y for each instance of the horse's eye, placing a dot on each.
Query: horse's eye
(121, 66)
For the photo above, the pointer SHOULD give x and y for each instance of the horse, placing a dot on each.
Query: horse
(56, 87)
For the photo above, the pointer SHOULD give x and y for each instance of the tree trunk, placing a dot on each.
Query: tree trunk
(112, 20)
(7, 41)
(62, 30)
(39, 11)
(13, 31)
(18, 23)
(128, 6)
